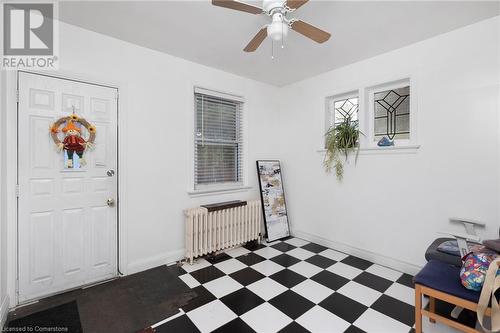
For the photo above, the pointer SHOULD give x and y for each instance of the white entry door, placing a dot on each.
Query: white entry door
(67, 228)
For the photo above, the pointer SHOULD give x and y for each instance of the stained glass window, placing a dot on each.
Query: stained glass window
(392, 113)
(344, 109)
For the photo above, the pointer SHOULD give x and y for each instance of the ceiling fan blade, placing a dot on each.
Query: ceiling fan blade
(256, 41)
(236, 5)
(311, 31)
(294, 4)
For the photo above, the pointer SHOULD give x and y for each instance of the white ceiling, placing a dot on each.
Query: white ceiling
(214, 36)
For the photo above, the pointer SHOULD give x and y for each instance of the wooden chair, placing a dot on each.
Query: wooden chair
(439, 280)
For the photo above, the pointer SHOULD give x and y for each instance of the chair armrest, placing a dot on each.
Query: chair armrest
(468, 224)
(459, 235)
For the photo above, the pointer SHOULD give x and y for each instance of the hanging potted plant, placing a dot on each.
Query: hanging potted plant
(341, 140)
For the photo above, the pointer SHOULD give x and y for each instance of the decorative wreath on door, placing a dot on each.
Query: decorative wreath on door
(73, 143)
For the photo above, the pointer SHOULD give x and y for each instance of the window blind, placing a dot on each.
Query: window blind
(218, 141)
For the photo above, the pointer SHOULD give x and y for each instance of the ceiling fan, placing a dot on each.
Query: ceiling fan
(278, 28)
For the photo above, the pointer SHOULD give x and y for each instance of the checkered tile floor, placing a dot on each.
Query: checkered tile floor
(293, 286)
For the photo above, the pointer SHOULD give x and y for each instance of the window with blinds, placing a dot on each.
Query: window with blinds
(218, 149)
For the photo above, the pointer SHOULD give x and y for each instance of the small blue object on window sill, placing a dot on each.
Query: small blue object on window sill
(385, 142)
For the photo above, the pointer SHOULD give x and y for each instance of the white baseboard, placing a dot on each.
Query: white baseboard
(376, 258)
(162, 259)
(4, 310)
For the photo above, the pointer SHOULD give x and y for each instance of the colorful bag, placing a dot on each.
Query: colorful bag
(490, 288)
(474, 269)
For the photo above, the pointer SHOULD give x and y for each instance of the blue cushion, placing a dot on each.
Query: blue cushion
(446, 278)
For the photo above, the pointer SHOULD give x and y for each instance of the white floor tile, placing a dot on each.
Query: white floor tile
(305, 269)
(268, 252)
(230, 266)
(344, 270)
(320, 320)
(222, 286)
(334, 255)
(301, 253)
(189, 280)
(267, 267)
(401, 292)
(360, 293)
(211, 316)
(384, 272)
(376, 322)
(198, 264)
(296, 242)
(237, 251)
(267, 288)
(271, 243)
(266, 318)
(312, 290)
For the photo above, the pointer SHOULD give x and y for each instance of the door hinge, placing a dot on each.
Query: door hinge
(17, 191)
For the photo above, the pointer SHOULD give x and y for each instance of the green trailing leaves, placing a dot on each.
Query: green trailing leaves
(341, 141)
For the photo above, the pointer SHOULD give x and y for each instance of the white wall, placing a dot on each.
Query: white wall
(4, 299)
(389, 207)
(158, 113)
(156, 129)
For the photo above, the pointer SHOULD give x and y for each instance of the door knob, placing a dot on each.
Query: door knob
(110, 173)
(110, 202)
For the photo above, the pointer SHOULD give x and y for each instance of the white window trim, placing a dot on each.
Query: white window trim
(368, 146)
(330, 114)
(369, 141)
(222, 188)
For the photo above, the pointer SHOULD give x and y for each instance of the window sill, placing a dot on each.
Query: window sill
(218, 190)
(407, 149)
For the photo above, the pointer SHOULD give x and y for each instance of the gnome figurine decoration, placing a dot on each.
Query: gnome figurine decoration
(73, 142)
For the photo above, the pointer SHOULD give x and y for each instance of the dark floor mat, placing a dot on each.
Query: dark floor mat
(62, 318)
(124, 305)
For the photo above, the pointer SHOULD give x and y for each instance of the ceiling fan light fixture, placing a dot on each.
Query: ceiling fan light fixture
(277, 31)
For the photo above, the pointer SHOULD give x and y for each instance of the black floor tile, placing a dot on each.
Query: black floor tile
(253, 246)
(250, 259)
(287, 278)
(396, 309)
(236, 325)
(344, 307)
(321, 261)
(357, 262)
(330, 280)
(407, 280)
(247, 276)
(291, 304)
(313, 247)
(207, 274)
(203, 297)
(293, 328)
(214, 259)
(180, 324)
(285, 260)
(354, 329)
(242, 301)
(283, 247)
(373, 281)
